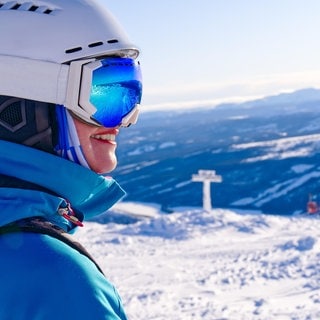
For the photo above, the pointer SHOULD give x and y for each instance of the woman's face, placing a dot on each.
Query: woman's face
(98, 145)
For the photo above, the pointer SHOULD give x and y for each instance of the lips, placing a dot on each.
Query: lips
(109, 136)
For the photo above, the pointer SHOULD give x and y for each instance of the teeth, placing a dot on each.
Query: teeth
(110, 137)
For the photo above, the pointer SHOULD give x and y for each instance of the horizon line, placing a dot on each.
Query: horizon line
(215, 102)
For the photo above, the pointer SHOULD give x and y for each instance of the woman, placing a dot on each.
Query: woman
(69, 81)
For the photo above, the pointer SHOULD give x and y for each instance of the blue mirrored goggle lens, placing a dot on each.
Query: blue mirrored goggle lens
(116, 89)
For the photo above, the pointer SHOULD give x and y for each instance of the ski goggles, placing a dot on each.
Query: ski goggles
(105, 92)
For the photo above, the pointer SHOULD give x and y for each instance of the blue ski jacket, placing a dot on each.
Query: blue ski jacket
(43, 278)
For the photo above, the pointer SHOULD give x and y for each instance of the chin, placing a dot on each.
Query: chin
(104, 168)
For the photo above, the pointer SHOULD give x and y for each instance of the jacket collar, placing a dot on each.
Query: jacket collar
(88, 192)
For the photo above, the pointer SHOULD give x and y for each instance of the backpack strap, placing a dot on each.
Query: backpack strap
(42, 226)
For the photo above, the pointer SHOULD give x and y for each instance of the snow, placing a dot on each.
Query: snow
(168, 144)
(278, 190)
(221, 264)
(301, 168)
(283, 148)
(141, 150)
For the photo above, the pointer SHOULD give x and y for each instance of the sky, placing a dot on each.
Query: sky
(203, 52)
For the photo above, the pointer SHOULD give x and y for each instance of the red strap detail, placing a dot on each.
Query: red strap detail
(73, 219)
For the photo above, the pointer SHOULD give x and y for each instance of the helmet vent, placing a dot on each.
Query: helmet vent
(91, 45)
(16, 6)
(27, 6)
(95, 44)
(72, 50)
(113, 41)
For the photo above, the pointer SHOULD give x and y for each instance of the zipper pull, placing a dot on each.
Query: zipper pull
(69, 214)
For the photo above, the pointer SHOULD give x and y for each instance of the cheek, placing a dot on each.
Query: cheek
(101, 157)
(84, 132)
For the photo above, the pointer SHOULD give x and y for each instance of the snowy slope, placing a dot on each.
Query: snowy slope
(255, 147)
(219, 265)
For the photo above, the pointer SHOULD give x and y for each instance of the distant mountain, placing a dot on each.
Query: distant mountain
(292, 98)
(266, 150)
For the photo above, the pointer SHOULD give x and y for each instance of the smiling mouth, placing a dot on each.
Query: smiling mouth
(104, 137)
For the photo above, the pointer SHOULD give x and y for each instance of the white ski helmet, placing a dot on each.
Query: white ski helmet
(50, 49)
(60, 30)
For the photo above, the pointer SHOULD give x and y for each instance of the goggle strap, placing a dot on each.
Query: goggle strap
(33, 80)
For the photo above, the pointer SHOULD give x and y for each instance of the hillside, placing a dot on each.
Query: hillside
(266, 151)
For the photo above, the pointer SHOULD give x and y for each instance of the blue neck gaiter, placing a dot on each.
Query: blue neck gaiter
(68, 144)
